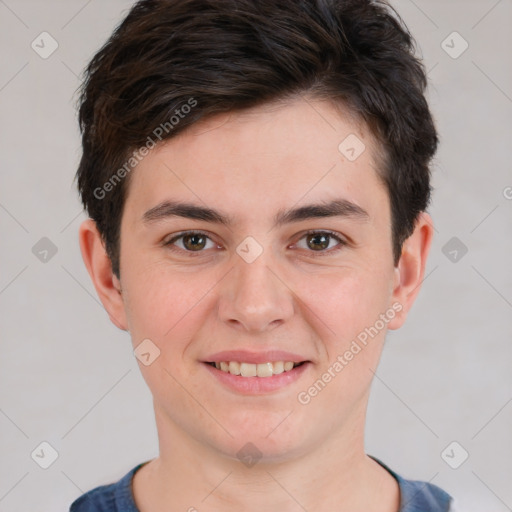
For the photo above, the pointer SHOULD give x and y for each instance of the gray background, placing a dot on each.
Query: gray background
(69, 377)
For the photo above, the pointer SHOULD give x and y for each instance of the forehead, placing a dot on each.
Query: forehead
(261, 159)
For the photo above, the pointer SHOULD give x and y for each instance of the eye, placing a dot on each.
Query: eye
(315, 241)
(320, 241)
(190, 241)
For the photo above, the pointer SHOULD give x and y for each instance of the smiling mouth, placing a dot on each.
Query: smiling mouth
(255, 370)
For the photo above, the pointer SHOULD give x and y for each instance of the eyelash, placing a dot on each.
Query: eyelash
(341, 243)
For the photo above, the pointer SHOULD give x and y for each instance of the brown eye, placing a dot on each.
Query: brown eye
(190, 242)
(321, 242)
(318, 241)
(194, 242)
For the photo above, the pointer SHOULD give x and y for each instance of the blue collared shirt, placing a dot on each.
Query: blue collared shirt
(415, 496)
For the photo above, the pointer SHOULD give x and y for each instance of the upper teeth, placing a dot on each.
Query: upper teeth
(255, 370)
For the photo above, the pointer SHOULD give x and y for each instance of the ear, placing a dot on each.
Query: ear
(98, 264)
(411, 268)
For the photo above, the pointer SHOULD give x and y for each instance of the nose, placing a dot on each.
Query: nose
(254, 297)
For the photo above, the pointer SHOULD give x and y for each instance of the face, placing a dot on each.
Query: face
(258, 277)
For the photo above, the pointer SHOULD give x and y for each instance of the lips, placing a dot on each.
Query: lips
(271, 368)
(267, 369)
(251, 384)
(246, 356)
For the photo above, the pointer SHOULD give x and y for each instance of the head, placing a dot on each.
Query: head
(239, 113)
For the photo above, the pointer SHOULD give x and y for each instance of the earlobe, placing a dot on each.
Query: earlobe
(410, 271)
(99, 267)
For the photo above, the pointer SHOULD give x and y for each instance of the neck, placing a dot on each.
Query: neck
(193, 476)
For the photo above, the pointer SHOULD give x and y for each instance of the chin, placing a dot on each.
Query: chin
(266, 440)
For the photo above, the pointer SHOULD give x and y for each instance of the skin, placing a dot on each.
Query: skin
(249, 165)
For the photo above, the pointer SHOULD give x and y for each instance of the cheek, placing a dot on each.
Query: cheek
(351, 305)
(345, 302)
(161, 305)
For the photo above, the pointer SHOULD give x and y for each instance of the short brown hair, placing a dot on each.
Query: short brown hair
(228, 55)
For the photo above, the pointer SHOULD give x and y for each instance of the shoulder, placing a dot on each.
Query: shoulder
(419, 496)
(115, 497)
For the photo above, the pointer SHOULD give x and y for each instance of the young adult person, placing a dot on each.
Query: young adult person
(257, 176)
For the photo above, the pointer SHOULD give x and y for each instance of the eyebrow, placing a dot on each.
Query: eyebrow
(334, 208)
